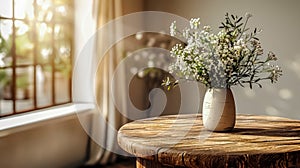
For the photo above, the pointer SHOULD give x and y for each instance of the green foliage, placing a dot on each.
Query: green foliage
(5, 45)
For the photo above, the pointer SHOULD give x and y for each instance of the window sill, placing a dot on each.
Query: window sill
(43, 115)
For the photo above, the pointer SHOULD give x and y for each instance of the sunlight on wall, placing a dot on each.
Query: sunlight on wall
(270, 110)
(294, 65)
(285, 94)
(250, 93)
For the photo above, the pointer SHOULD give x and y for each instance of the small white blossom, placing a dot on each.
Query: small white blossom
(241, 42)
(275, 74)
(173, 29)
(237, 47)
(207, 28)
(186, 33)
(272, 56)
(195, 23)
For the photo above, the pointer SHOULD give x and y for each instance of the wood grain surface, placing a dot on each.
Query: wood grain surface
(181, 141)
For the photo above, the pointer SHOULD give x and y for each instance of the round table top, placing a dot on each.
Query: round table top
(181, 140)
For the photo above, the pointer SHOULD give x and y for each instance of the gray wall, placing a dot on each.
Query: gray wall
(280, 22)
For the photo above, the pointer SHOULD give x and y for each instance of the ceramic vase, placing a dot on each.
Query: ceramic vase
(218, 110)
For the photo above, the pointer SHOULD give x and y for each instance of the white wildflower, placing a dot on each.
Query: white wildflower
(173, 29)
(275, 74)
(241, 42)
(207, 28)
(195, 23)
(186, 33)
(272, 56)
(248, 15)
(226, 58)
(237, 47)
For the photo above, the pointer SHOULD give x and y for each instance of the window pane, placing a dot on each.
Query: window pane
(24, 43)
(63, 56)
(44, 12)
(63, 48)
(5, 42)
(44, 86)
(63, 13)
(44, 33)
(62, 32)
(6, 83)
(63, 69)
(6, 8)
(24, 9)
(62, 93)
(62, 2)
(44, 53)
(24, 88)
(6, 106)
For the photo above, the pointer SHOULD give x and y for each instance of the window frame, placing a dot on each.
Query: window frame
(14, 66)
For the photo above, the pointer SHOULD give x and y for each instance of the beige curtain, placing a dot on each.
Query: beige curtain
(100, 149)
(107, 119)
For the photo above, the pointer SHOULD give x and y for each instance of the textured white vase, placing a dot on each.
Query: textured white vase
(218, 110)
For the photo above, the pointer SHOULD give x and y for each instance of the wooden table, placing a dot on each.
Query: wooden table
(180, 141)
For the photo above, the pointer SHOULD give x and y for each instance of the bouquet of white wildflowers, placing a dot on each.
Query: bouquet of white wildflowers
(233, 56)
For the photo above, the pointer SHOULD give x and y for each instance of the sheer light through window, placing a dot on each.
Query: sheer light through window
(36, 39)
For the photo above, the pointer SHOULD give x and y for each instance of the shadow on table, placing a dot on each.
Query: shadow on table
(278, 132)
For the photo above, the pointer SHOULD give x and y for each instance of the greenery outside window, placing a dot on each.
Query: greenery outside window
(36, 40)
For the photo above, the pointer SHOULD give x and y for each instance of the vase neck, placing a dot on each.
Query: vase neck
(227, 88)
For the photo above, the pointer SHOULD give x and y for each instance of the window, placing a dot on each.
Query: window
(36, 40)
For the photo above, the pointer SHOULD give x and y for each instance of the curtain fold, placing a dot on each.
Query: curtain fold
(107, 118)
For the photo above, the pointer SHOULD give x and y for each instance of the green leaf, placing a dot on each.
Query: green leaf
(233, 17)
(239, 25)
(239, 19)
(241, 84)
(259, 85)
